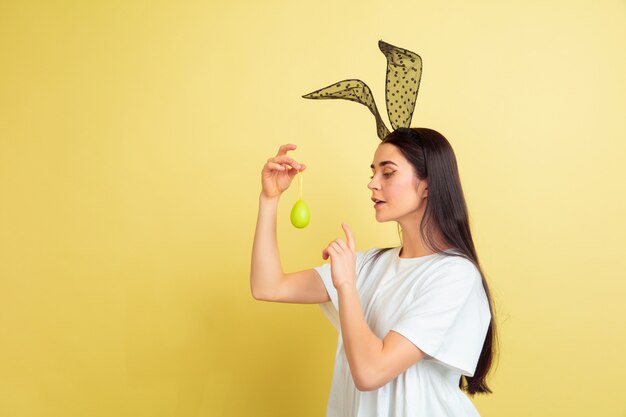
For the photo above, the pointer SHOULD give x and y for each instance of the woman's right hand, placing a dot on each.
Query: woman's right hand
(279, 171)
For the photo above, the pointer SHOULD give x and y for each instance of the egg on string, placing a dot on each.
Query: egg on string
(300, 213)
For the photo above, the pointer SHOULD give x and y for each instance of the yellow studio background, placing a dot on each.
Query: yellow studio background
(132, 136)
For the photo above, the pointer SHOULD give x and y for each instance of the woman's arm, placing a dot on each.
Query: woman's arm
(266, 271)
(268, 282)
(373, 362)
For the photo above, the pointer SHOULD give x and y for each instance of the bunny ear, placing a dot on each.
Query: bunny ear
(353, 90)
(404, 71)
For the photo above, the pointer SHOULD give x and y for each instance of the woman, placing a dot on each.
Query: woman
(417, 321)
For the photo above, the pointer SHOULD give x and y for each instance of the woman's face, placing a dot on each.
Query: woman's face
(394, 181)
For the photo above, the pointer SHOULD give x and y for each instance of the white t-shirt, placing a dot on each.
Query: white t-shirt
(438, 303)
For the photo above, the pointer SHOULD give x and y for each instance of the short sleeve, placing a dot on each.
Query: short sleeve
(331, 308)
(449, 317)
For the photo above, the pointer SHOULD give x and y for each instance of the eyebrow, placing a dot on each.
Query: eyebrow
(383, 163)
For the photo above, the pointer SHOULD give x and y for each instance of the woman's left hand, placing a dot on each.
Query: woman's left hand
(342, 259)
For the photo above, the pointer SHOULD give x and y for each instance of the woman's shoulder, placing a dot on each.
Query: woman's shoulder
(455, 264)
(375, 251)
(373, 254)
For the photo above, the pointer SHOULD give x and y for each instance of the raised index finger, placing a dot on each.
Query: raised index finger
(349, 236)
(284, 148)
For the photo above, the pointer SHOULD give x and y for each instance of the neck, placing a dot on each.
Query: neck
(413, 245)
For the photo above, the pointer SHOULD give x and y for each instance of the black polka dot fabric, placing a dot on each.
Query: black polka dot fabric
(404, 71)
(353, 90)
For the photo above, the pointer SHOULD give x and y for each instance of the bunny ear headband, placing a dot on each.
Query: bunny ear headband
(404, 71)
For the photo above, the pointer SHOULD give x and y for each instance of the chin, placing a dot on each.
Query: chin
(382, 219)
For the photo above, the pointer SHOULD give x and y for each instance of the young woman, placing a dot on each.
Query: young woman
(415, 322)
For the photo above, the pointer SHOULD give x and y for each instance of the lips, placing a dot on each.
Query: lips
(377, 202)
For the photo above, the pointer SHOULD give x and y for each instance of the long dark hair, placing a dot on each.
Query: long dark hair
(432, 158)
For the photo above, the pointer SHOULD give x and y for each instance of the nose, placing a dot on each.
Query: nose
(373, 185)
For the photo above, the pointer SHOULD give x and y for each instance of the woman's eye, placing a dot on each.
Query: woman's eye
(386, 174)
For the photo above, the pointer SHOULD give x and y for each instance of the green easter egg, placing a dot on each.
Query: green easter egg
(300, 214)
